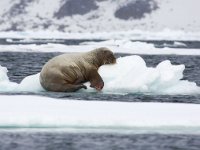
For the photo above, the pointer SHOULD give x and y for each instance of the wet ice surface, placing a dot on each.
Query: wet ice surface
(21, 65)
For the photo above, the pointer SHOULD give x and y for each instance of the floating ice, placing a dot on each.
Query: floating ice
(117, 46)
(28, 84)
(5, 84)
(31, 84)
(127, 46)
(42, 112)
(129, 75)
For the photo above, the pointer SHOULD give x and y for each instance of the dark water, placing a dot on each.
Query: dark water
(21, 65)
(94, 141)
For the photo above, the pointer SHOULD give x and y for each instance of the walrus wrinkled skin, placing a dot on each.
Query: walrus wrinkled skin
(68, 72)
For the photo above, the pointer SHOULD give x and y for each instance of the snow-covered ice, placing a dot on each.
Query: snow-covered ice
(42, 112)
(129, 75)
(117, 46)
(135, 34)
(127, 46)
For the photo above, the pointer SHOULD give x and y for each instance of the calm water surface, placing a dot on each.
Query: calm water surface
(94, 141)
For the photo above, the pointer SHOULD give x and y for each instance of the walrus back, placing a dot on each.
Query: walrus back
(71, 70)
(62, 69)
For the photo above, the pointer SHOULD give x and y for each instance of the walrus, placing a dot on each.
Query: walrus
(68, 72)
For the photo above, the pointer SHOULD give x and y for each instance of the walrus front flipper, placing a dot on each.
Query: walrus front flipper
(95, 80)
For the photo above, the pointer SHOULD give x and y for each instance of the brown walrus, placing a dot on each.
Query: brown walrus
(68, 72)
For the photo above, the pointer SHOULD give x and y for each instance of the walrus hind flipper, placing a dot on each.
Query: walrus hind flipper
(73, 88)
(70, 87)
(95, 80)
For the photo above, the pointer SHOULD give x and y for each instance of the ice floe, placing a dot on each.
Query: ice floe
(42, 112)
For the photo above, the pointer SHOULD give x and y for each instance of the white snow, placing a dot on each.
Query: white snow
(174, 14)
(132, 34)
(5, 5)
(46, 9)
(129, 75)
(42, 112)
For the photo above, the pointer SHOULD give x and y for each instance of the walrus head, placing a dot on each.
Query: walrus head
(106, 56)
